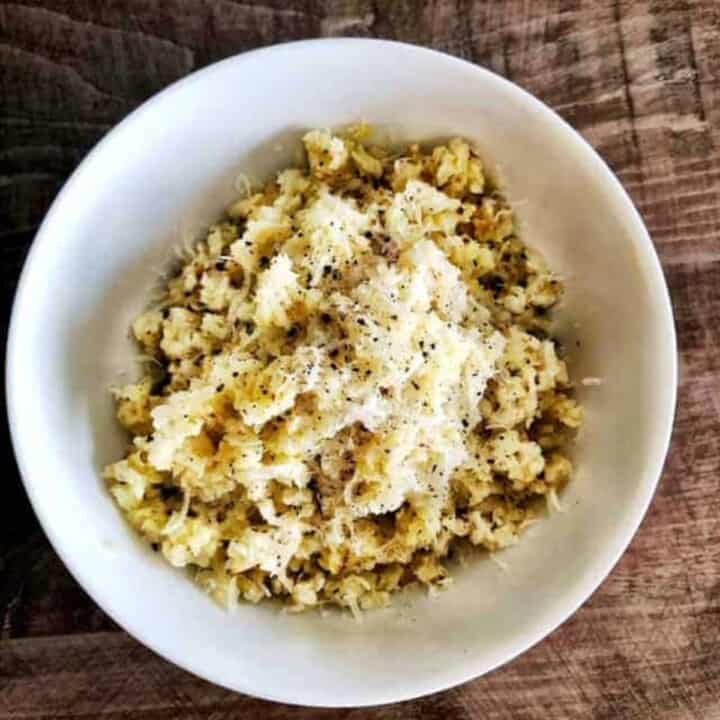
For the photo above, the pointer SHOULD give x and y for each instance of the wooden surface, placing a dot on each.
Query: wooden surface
(641, 81)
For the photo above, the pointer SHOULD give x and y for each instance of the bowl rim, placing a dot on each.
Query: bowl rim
(470, 670)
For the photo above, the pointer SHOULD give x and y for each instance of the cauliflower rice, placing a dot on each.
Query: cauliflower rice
(351, 379)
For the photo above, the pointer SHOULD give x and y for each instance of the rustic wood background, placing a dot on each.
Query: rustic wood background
(641, 81)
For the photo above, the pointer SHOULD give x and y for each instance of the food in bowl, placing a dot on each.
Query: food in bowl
(350, 379)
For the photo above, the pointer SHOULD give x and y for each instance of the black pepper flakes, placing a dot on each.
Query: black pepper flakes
(494, 283)
(168, 491)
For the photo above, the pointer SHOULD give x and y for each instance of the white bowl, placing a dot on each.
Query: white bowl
(167, 171)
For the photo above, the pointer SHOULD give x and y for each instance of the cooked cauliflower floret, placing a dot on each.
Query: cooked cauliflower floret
(456, 170)
(327, 154)
(134, 405)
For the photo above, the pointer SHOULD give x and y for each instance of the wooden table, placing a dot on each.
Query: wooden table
(641, 81)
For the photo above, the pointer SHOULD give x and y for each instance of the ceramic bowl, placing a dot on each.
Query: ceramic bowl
(159, 179)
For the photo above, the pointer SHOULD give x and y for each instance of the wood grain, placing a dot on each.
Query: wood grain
(641, 81)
